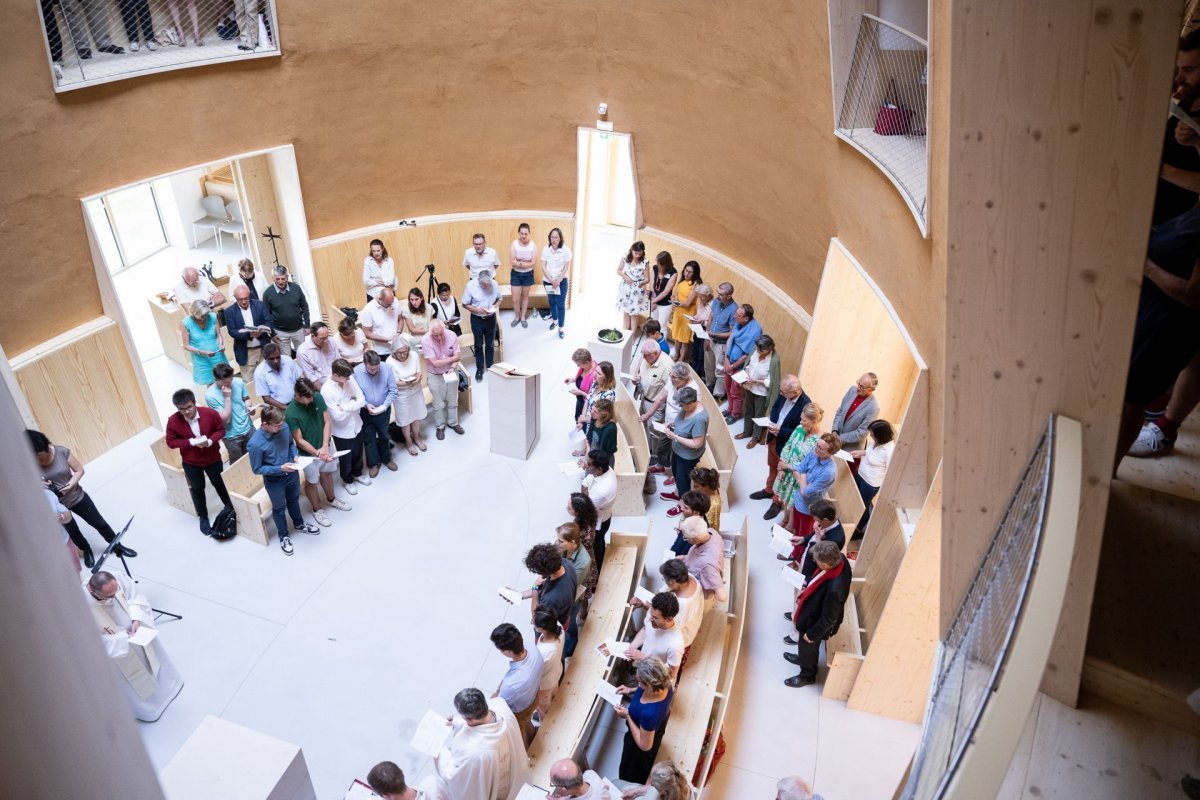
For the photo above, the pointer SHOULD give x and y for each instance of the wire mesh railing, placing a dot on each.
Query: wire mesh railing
(97, 41)
(976, 649)
(884, 108)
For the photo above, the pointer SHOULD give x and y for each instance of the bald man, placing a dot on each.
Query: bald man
(380, 320)
(567, 780)
(785, 418)
(794, 787)
(249, 324)
(195, 286)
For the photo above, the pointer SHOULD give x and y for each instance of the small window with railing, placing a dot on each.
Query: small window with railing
(884, 105)
(97, 41)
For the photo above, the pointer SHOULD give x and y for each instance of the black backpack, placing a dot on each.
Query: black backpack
(224, 527)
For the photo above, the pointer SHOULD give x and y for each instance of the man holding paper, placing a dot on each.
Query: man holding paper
(745, 332)
(440, 348)
(659, 637)
(653, 386)
(195, 432)
(250, 326)
(126, 623)
(482, 299)
(814, 476)
(484, 758)
(273, 456)
(567, 780)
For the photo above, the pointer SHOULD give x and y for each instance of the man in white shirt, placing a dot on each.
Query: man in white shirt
(688, 592)
(195, 286)
(600, 484)
(660, 637)
(484, 758)
(482, 299)
(480, 257)
(380, 320)
(566, 780)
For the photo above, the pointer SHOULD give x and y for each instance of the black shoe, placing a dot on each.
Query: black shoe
(730, 419)
(441, 434)
(798, 681)
(791, 658)
(89, 558)
(457, 429)
(773, 511)
(112, 48)
(761, 494)
(791, 640)
(85, 53)
(785, 558)
(244, 47)
(787, 615)
(205, 527)
(478, 375)
(122, 550)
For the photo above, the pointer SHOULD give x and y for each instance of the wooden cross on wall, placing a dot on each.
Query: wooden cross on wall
(272, 235)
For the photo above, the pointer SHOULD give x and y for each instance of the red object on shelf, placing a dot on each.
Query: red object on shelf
(893, 121)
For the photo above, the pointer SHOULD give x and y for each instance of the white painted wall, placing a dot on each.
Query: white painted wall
(290, 203)
(179, 197)
(912, 15)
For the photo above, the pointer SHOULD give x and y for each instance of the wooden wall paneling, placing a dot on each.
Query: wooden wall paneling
(1054, 158)
(894, 679)
(780, 316)
(853, 332)
(76, 385)
(905, 486)
(338, 263)
(256, 188)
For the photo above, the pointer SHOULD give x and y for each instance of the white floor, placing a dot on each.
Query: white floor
(342, 647)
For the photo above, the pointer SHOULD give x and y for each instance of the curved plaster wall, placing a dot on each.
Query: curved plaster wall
(404, 109)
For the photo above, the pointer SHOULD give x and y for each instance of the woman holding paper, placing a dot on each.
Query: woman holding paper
(645, 718)
(201, 337)
(701, 354)
(801, 441)
(585, 375)
(688, 435)
(761, 389)
(685, 300)
(872, 467)
(604, 387)
(416, 315)
(556, 263)
(409, 406)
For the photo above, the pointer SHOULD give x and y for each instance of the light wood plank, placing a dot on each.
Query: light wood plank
(633, 456)
(720, 453)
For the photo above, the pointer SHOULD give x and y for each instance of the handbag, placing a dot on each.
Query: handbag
(891, 119)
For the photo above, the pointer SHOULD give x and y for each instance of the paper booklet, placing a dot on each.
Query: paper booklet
(451, 376)
(570, 468)
(531, 793)
(511, 595)
(781, 547)
(698, 330)
(740, 376)
(612, 647)
(844, 456)
(431, 734)
(762, 422)
(144, 636)
(643, 594)
(608, 692)
(303, 461)
(792, 577)
(658, 426)
(359, 791)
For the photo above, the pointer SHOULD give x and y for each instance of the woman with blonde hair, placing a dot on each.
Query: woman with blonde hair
(201, 336)
(802, 440)
(586, 373)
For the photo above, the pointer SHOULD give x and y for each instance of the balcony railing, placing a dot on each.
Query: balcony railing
(97, 41)
(883, 111)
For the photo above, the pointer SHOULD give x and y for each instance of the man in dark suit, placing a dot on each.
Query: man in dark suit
(819, 610)
(245, 314)
(785, 418)
(826, 528)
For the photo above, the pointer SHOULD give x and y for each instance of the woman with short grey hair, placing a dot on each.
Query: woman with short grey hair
(688, 435)
(409, 405)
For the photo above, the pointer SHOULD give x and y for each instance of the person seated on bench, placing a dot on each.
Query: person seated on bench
(645, 719)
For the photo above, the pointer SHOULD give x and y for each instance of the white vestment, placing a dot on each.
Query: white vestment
(485, 762)
(148, 678)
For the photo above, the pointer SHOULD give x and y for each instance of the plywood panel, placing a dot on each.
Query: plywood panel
(338, 265)
(76, 386)
(256, 188)
(894, 679)
(780, 316)
(1054, 138)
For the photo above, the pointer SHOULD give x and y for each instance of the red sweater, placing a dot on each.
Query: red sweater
(179, 432)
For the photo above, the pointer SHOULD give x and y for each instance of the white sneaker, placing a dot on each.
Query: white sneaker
(58, 73)
(133, 47)
(321, 519)
(151, 45)
(349, 487)
(1151, 442)
(362, 480)
(339, 504)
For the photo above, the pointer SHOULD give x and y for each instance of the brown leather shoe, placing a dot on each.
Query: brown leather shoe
(457, 429)
(441, 434)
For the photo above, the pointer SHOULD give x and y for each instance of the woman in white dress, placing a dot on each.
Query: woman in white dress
(521, 255)
(633, 301)
(379, 271)
(409, 406)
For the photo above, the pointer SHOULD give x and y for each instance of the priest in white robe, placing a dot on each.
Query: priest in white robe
(121, 610)
(484, 758)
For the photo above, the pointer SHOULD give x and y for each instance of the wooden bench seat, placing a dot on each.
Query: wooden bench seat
(720, 454)
(250, 501)
(171, 465)
(633, 456)
(537, 295)
(570, 723)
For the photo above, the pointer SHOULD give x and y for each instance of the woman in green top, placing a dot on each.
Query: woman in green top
(202, 338)
(603, 435)
(803, 439)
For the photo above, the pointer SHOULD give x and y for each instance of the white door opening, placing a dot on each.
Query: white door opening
(607, 215)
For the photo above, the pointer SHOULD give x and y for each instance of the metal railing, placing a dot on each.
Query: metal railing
(979, 649)
(884, 109)
(97, 41)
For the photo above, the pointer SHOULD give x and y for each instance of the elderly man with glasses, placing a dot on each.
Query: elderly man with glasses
(858, 410)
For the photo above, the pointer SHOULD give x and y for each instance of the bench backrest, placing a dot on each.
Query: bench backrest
(166, 456)
(632, 428)
(720, 439)
(240, 478)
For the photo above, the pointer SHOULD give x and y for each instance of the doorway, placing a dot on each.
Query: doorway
(607, 215)
(209, 217)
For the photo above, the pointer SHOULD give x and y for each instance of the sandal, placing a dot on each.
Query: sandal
(421, 444)
(412, 451)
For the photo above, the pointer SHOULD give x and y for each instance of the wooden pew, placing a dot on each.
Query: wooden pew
(537, 295)
(250, 501)
(702, 695)
(720, 454)
(633, 456)
(465, 399)
(844, 650)
(171, 465)
(577, 709)
(844, 494)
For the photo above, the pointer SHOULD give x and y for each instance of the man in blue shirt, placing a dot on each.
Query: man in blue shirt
(273, 455)
(519, 686)
(742, 337)
(227, 396)
(378, 385)
(275, 378)
(719, 327)
(814, 476)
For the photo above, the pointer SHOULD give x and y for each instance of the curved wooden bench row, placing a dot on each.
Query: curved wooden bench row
(633, 456)
(720, 454)
(569, 726)
(537, 296)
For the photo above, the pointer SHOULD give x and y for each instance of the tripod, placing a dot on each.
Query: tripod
(431, 283)
(114, 548)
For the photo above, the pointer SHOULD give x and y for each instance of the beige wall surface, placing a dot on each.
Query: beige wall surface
(399, 109)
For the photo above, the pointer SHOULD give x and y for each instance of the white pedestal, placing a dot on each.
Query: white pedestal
(225, 760)
(514, 405)
(616, 353)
